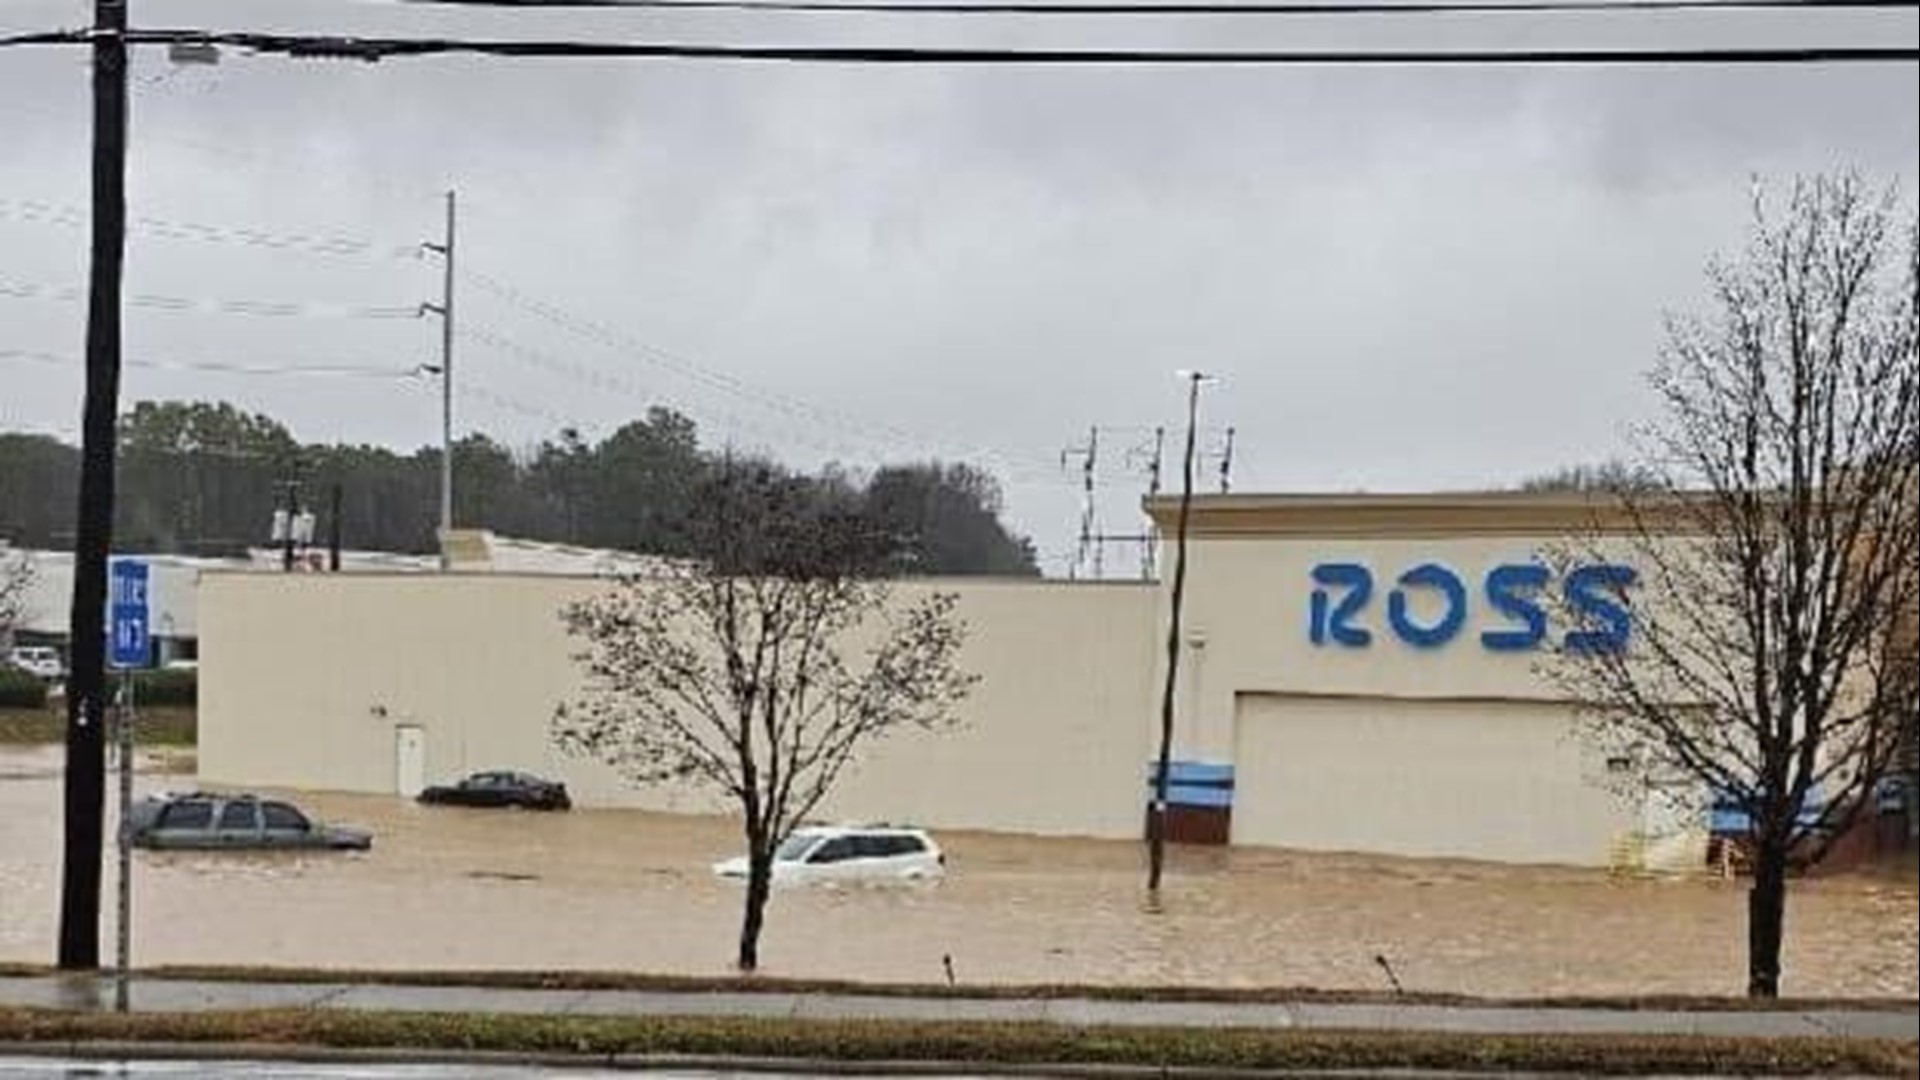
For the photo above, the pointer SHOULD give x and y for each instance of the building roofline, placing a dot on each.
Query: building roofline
(1421, 514)
(471, 575)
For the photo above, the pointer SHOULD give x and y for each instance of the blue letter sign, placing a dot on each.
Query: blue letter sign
(1337, 622)
(129, 646)
(1512, 590)
(1595, 595)
(1433, 576)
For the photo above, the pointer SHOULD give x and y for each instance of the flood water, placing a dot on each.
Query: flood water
(631, 891)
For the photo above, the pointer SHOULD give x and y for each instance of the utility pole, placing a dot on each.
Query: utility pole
(286, 525)
(1149, 541)
(1153, 467)
(85, 790)
(1089, 463)
(1157, 816)
(123, 925)
(1226, 465)
(445, 310)
(333, 529)
(1090, 504)
(1146, 456)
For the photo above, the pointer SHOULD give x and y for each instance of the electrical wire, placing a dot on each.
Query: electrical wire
(37, 212)
(603, 382)
(655, 356)
(372, 49)
(1162, 7)
(467, 390)
(46, 37)
(356, 371)
(31, 210)
(204, 306)
(874, 432)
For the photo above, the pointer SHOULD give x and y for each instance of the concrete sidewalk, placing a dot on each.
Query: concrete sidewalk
(89, 992)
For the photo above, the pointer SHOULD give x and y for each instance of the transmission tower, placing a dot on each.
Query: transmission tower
(1089, 460)
(1144, 457)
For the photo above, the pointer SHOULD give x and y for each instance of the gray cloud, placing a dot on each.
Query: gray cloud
(1411, 277)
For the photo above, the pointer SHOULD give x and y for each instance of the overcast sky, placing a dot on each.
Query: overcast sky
(1409, 278)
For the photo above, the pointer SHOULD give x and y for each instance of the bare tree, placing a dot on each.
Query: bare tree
(760, 670)
(1612, 474)
(1771, 661)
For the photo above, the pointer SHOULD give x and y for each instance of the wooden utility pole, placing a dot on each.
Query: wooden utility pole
(93, 538)
(1157, 814)
(444, 309)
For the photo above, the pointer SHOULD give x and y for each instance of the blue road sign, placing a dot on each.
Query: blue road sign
(129, 645)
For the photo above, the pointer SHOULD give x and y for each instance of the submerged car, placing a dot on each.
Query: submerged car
(508, 789)
(819, 853)
(38, 661)
(204, 822)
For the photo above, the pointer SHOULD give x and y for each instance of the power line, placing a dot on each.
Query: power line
(363, 371)
(372, 49)
(650, 354)
(1159, 7)
(205, 306)
(473, 392)
(48, 37)
(36, 211)
(602, 381)
(875, 432)
(656, 356)
(378, 48)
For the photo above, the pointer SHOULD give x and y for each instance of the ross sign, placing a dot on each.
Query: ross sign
(1594, 595)
(129, 644)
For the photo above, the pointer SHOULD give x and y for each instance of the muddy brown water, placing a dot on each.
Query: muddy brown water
(632, 891)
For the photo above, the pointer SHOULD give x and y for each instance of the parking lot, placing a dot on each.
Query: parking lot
(622, 890)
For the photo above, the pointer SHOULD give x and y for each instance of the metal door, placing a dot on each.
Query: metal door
(409, 760)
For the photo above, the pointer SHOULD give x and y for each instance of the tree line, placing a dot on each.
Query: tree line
(204, 478)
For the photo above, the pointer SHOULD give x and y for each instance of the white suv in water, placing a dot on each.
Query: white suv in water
(849, 853)
(38, 661)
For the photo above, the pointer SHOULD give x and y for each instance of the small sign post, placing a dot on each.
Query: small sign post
(130, 647)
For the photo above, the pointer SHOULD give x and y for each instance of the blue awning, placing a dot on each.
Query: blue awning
(1199, 773)
(1195, 795)
(1726, 817)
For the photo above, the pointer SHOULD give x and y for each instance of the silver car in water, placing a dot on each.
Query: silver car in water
(203, 822)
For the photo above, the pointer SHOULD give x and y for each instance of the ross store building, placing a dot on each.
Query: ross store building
(1358, 673)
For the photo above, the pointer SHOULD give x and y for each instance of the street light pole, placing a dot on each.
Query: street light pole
(1157, 816)
(85, 785)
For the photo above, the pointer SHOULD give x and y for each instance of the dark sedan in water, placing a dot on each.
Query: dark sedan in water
(205, 822)
(501, 789)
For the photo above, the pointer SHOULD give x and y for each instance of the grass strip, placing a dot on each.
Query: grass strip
(158, 725)
(972, 1042)
(700, 984)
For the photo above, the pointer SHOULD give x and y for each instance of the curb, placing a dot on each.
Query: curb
(595, 981)
(337, 1055)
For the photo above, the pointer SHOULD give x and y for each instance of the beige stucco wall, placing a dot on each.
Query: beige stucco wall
(305, 677)
(1482, 779)
(1451, 750)
(1247, 620)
